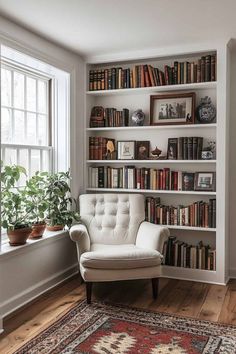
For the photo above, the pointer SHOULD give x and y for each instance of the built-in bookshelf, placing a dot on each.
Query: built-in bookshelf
(158, 135)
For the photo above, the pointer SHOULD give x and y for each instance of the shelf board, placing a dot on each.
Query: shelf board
(142, 90)
(156, 127)
(131, 162)
(190, 228)
(126, 190)
(167, 267)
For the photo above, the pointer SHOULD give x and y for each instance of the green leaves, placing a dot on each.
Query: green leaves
(44, 196)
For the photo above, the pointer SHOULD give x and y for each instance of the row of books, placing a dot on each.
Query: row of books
(197, 214)
(185, 148)
(132, 177)
(203, 70)
(180, 254)
(111, 118)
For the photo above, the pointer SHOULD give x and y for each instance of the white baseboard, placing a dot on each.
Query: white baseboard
(15, 302)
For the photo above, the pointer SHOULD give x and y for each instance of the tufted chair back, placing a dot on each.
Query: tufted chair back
(112, 219)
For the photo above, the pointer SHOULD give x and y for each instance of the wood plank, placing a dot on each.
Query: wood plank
(171, 296)
(228, 312)
(213, 303)
(193, 300)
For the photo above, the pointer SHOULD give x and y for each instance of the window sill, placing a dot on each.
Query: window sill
(48, 237)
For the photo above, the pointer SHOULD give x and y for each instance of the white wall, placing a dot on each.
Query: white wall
(24, 275)
(232, 164)
(30, 270)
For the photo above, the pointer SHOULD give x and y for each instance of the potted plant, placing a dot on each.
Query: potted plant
(59, 201)
(36, 204)
(14, 217)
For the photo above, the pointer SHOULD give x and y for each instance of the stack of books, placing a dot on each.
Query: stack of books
(180, 254)
(115, 118)
(185, 148)
(98, 147)
(202, 70)
(197, 214)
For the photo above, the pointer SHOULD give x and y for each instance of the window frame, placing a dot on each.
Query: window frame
(60, 101)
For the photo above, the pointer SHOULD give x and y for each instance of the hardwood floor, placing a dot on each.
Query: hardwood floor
(198, 300)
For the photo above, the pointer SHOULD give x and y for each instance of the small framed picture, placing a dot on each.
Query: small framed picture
(175, 108)
(126, 150)
(172, 149)
(142, 150)
(187, 181)
(204, 181)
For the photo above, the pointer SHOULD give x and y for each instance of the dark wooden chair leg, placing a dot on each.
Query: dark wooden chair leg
(155, 283)
(89, 291)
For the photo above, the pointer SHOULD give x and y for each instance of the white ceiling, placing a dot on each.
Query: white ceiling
(92, 27)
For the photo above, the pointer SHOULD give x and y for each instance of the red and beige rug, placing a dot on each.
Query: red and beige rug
(111, 329)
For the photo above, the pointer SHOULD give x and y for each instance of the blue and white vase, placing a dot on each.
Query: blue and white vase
(206, 111)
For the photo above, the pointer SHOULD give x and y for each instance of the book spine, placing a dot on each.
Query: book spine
(213, 68)
(190, 148)
(203, 69)
(91, 72)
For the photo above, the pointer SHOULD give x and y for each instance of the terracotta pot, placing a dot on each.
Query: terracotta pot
(19, 236)
(37, 230)
(55, 227)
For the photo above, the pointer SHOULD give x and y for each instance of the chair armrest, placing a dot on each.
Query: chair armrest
(152, 236)
(79, 234)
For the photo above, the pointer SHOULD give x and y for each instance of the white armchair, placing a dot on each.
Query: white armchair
(115, 243)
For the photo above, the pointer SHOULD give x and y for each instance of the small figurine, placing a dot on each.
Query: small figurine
(111, 154)
(156, 152)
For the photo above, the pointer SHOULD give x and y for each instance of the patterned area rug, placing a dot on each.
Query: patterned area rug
(111, 329)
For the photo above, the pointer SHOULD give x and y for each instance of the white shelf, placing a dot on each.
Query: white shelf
(190, 228)
(156, 127)
(131, 162)
(158, 136)
(143, 90)
(200, 275)
(152, 191)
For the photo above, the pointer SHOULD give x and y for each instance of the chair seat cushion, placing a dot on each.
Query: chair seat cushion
(119, 257)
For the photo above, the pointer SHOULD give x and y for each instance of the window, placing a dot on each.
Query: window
(35, 111)
(25, 123)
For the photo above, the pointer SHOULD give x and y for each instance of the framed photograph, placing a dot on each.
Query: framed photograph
(175, 108)
(187, 181)
(142, 150)
(172, 149)
(126, 150)
(204, 181)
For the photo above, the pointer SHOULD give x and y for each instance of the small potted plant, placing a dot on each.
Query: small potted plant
(36, 204)
(59, 201)
(14, 217)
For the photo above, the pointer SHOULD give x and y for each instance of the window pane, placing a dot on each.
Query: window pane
(10, 157)
(18, 90)
(42, 129)
(23, 161)
(6, 87)
(42, 92)
(31, 94)
(6, 125)
(31, 128)
(19, 125)
(35, 161)
(45, 162)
